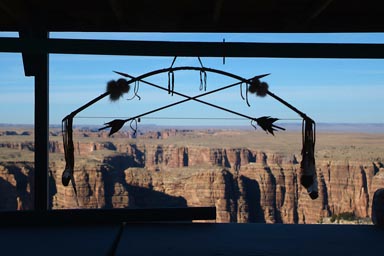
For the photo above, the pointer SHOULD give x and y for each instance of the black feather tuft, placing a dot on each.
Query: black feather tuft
(117, 88)
(123, 85)
(262, 89)
(253, 86)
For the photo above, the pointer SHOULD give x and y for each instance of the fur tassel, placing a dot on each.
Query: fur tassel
(117, 88)
(260, 88)
(253, 86)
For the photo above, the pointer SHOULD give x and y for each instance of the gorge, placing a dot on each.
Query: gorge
(245, 184)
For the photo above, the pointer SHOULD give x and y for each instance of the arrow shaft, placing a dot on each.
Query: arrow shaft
(188, 98)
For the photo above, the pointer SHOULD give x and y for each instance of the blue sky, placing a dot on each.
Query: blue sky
(328, 90)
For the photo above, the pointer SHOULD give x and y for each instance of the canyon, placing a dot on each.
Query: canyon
(171, 168)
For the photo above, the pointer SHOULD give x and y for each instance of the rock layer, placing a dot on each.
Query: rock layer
(245, 185)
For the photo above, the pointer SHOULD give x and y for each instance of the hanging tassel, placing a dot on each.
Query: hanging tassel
(67, 175)
(133, 126)
(171, 82)
(246, 95)
(203, 80)
(241, 91)
(203, 76)
(171, 78)
(135, 91)
(308, 177)
(116, 89)
(258, 87)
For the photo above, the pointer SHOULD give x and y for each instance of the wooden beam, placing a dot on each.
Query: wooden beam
(41, 73)
(80, 217)
(203, 49)
(29, 59)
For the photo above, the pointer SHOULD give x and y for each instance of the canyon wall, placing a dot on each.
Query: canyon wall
(245, 185)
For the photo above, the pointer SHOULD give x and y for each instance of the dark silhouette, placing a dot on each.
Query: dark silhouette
(252, 193)
(139, 197)
(7, 195)
(52, 189)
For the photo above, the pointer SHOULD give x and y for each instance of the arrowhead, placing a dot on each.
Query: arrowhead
(266, 123)
(115, 126)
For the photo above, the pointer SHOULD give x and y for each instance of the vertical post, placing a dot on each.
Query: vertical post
(41, 128)
(37, 65)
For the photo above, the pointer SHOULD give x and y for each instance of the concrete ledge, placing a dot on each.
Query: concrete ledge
(93, 217)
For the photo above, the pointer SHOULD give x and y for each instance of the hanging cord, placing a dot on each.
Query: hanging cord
(135, 91)
(203, 77)
(308, 176)
(171, 78)
(173, 62)
(203, 80)
(241, 91)
(68, 174)
(171, 82)
(133, 125)
(246, 95)
(253, 124)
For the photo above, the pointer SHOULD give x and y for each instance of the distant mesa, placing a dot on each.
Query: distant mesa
(10, 133)
(51, 133)
(15, 133)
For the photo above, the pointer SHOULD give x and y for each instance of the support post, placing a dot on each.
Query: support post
(37, 65)
(41, 132)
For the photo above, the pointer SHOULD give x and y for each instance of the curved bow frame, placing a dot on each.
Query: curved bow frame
(266, 123)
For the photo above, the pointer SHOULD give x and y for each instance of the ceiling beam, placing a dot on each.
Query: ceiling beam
(302, 21)
(217, 11)
(318, 9)
(31, 58)
(203, 49)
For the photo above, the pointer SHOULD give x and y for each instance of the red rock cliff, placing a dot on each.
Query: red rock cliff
(245, 185)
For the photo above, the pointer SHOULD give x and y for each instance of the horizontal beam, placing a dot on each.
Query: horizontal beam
(80, 217)
(191, 49)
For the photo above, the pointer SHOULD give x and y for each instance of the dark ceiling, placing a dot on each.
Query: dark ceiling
(193, 15)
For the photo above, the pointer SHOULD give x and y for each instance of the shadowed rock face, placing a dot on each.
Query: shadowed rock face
(16, 184)
(243, 184)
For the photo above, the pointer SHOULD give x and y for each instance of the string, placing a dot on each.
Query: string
(134, 128)
(171, 78)
(201, 63)
(186, 118)
(241, 91)
(174, 59)
(171, 82)
(203, 76)
(135, 91)
(246, 94)
(203, 80)
(253, 125)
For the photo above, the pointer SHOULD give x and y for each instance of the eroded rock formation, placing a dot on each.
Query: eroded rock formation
(245, 185)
